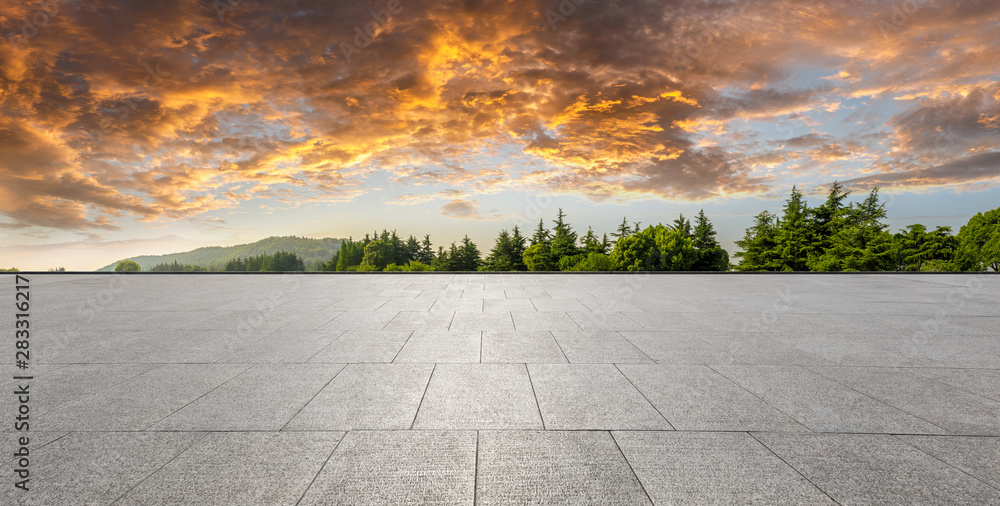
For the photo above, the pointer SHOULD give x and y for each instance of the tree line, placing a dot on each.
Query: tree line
(681, 245)
(838, 237)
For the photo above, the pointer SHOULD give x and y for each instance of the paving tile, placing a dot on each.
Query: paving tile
(239, 468)
(359, 320)
(494, 321)
(761, 350)
(984, 382)
(678, 348)
(297, 347)
(409, 320)
(554, 467)
(265, 397)
(144, 399)
(551, 304)
(543, 320)
(507, 305)
(366, 396)
(410, 304)
(442, 346)
(953, 409)
(113, 463)
(695, 397)
(822, 404)
(591, 397)
(453, 305)
(667, 322)
(604, 320)
(399, 467)
(58, 387)
(609, 304)
(360, 303)
(483, 294)
(876, 469)
(479, 396)
(598, 347)
(713, 468)
(521, 347)
(977, 456)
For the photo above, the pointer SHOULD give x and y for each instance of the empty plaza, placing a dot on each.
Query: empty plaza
(472, 388)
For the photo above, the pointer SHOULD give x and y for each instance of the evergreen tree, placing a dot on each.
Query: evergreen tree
(443, 259)
(683, 226)
(591, 244)
(467, 257)
(861, 242)
(605, 244)
(350, 255)
(426, 253)
(916, 249)
(501, 257)
(623, 229)
(793, 236)
(410, 250)
(758, 245)
(564, 241)
(711, 256)
(541, 234)
(518, 245)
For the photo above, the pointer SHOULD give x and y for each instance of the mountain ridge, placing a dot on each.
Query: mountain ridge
(310, 250)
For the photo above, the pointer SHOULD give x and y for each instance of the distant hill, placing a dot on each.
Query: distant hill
(310, 250)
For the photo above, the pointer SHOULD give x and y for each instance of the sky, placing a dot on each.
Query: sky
(130, 127)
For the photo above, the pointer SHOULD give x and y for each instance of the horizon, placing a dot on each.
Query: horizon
(132, 129)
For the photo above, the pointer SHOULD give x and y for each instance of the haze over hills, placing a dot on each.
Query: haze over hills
(310, 250)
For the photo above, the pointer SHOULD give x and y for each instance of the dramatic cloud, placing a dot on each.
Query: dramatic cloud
(129, 110)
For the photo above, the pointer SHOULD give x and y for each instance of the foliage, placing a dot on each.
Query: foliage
(538, 257)
(563, 242)
(281, 261)
(711, 256)
(378, 254)
(414, 265)
(593, 262)
(541, 235)
(916, 249)
(507, 254)
(176, 266)
(657, 248)
(979, 243)
(128, 266)
(12, 269)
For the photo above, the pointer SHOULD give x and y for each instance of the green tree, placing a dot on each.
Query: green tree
(538, 258)
(564, 241)
(623, 230)
(793, 235)
(128, 266)
(350, 255)
(377, 254)
(593, 262)
(466, 257)
(591, 244)
(657, 248)
(282, 261)
(861, 242)
(683, 225)
(502, 256)
(711, 256)
(979, 243)
(426, 253)
(517, 242)
(443, 259)
(916, 249)
(541, 235)
(758, 245)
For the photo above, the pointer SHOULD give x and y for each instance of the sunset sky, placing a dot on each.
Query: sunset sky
(135, 127)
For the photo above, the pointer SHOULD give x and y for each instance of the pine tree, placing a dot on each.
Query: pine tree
(518, 245)
(564, 241)
(623, 229)
(711, 256)
(590, 242)
(541, 234)
(426, 253)
(683, 226)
